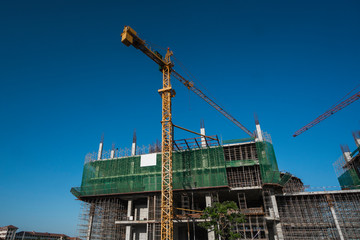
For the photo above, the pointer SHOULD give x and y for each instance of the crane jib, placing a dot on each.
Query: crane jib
(208, 100)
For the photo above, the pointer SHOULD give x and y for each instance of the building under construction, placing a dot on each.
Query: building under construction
(347, 167)
(120, 193)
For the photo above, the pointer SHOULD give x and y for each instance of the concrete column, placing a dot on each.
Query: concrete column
(202, 131)
(128, 228)
(347, 156)
(208, 201)
(346, 152)
(148, 216)
(112, 153)
(91, 220)
(356, 136)
(333, 213)
(336, 223)
(133, 146)
(100, 147)
(258, 131)
(277, 223)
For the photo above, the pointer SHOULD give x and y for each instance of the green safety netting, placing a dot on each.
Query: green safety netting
(191, 169)
(268, 165)
(349, 179)
(238, 140)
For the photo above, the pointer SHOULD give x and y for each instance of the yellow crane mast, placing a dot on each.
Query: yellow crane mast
(166, 149)
(130, 37)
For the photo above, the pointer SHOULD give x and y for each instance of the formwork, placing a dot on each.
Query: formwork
(320, 215)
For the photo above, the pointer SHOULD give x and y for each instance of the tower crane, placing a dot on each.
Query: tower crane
(130, 37)
(328, 113)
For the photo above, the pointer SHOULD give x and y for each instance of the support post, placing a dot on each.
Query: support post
(202, 132)
(277, 223)
(128, 228)
(91, 220)
(346, 152)
(100, 148)
(259, 136)
(333, 213)
(133, 146)
(356, 136)
(112, 153)
(208, 202)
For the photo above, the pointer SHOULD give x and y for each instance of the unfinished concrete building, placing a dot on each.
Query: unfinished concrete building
(120, 193)
(347, 167)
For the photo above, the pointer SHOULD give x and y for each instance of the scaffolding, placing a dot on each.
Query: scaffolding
(254, 227)
(244, 161)
(244, 176)
(293, 185)
(347, 173)
(320, 215)
(244, 152)
(97, 219)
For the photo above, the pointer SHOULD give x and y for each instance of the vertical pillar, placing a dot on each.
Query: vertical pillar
(259, 136)
(356, 136)
(202, 132)
(277, 223)
(148, 217)
(333, 213)
(346, 152)
(208, 201)
(112, 153)
(133, 146)
(91, 220)
(100, 147)
(128, 228)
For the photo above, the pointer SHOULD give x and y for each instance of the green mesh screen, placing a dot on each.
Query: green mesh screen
(191, 169)
(268, 165)
(349, 179)
(238, 140)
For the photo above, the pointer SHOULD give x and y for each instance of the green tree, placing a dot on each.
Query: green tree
(222, 218)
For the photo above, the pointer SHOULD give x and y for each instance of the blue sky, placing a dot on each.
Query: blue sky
(66, 78)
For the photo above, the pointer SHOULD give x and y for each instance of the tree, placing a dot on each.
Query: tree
(222, 218)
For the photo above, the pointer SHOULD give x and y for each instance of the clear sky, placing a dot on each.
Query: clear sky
(66, 78)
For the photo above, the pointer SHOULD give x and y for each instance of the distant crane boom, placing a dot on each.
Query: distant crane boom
(328, 113)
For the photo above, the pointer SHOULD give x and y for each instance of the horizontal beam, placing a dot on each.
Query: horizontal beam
(194, 132)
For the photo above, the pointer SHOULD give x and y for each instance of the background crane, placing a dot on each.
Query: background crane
(130, 37)
(328, 113)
